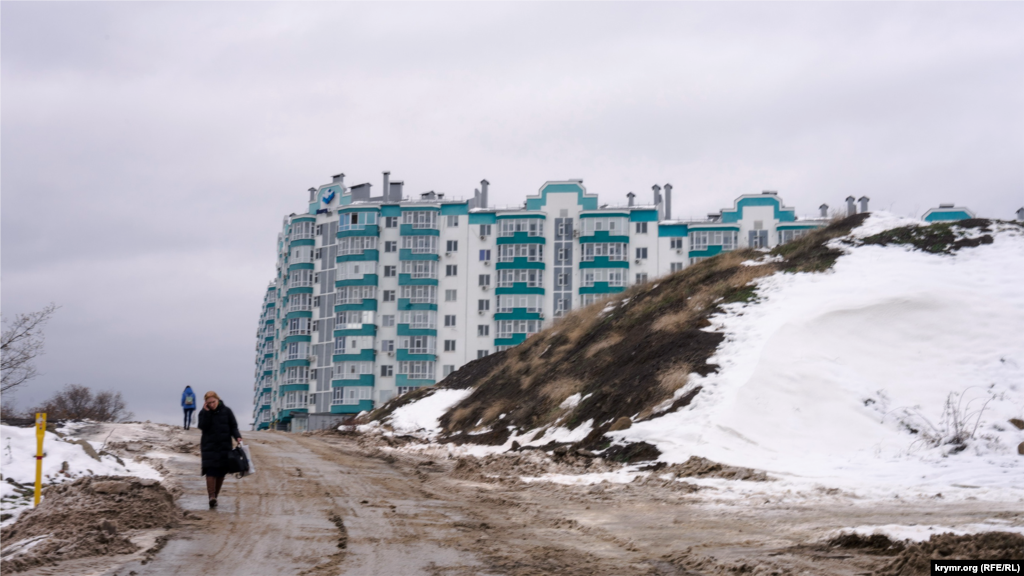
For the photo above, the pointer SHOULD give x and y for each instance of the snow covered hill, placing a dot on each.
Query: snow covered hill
(898, 368)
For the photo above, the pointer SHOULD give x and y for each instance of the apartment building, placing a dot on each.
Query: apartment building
(377, 295)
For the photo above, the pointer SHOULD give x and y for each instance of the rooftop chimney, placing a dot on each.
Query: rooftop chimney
(657, 198)
(483, 192)
(339, 179)
(476, 198)
(312, 194)
(946, 205)
(863, 203)
(1020, 214)
(630, 197)
(770, 193)
(386, 191)
(851, 208)
(824, 210)
(668, 201)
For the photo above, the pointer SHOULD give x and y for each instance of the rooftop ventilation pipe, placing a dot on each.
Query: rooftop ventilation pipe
(824, 210)
(668, 201)
(386, 192)
(483, 192)
(770, 193)
(657, 198)
(630, 197)
(338, 178)
(1020, 214)
(863, 203)
(851, 208)
(946, 205)
(312, 194)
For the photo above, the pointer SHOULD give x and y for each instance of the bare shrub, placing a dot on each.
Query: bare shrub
(77, 402)
(20, 343)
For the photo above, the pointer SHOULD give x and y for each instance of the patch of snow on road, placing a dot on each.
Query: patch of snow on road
(843, 378)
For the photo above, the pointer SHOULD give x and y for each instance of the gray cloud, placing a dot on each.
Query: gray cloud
(150, 150)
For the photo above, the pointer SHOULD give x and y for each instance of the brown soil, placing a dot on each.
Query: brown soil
(915, 559)
(698, 467)
(88, 517)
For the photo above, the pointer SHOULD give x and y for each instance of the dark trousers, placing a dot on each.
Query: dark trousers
(188, 417)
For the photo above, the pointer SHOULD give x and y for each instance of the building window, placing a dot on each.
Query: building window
(390, 271)
(447, 369)
(641, 278)
(419, 319)
(530, 226)
(450, 295)
(676, 244)
(481, 354)
(449, 320)
(420, 268)
(417, 370)
(610, 276)
(389, 295)
(483, 305)
(485, 229)
(391, 221)
(641, 227)
(420, 219)
(418, 344)
(530, 277)
(319, 229)
(420, 294)
(641, 253)
(316, 254)
(562, 279)
(506, 328)
(614, 225)
(786, 236)
(677, 266)
(420, 244)
(483, 330)
(701, 239)
(485, 280)
(351, 394)
(391, 246)
(451, 270)
(452, 246)
(387, 345)
(564, 254)
(453, 221)
(387, 370)
(387, 320)
(485, 255)
(614, 251)
(449, 345)
(405, 389)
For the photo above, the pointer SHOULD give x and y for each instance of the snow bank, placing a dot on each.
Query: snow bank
(18, 455)
(828, 376)
(421, 418)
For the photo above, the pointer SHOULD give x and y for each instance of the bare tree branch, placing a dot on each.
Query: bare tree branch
(20, 343)
(77, 402)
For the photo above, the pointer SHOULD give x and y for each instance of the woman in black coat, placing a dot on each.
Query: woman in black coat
(219, 426)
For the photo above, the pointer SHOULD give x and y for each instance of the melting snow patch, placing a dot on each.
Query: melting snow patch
(571, 401)
(766, 259)
(421, 418)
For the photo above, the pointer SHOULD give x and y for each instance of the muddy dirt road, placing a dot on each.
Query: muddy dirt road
(342, 505)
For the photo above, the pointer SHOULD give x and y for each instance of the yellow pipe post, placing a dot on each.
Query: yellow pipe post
(40, 433)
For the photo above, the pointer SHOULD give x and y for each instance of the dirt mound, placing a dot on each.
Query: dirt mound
(698, 467)
(527, 463)
(88, 517)
(874, 544)
(915, 559)
(939, 238)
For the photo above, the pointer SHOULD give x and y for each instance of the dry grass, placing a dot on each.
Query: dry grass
(669, 380)
(673, 322)
(608, 342)
(558, 390)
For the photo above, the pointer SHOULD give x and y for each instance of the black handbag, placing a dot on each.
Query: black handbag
(238, 463)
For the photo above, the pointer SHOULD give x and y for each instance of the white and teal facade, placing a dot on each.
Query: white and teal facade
(376, 296)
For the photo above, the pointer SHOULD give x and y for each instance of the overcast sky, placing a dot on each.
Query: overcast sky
(150, 151)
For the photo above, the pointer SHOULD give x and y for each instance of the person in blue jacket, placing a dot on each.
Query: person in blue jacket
(188, 404)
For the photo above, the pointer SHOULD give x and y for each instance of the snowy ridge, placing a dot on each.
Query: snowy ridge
(844, 377)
